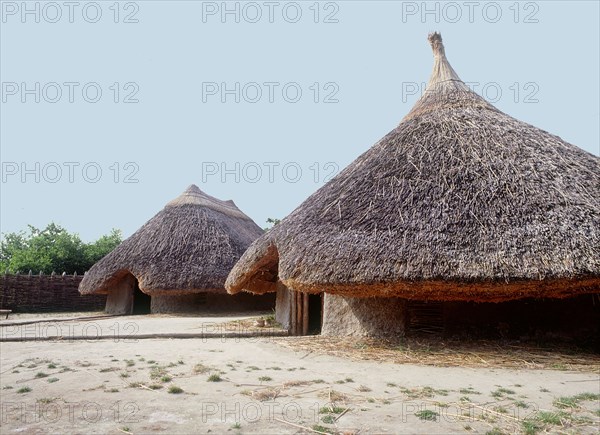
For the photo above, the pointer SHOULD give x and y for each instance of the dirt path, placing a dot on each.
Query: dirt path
(259, 386)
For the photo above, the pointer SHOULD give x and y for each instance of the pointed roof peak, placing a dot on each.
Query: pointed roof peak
(442, 70)
(445, 88)
(192, 188)
(193, 195)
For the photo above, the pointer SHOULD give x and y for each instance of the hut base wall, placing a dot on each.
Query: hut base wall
(283, 307)
(211, 302)
(373, 317)
(120, 299)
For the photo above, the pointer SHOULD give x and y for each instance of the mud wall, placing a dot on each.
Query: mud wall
(212, 303)
(372, 317)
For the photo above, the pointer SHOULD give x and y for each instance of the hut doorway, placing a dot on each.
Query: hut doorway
(306, 313)
(141, 301)
(315, 314)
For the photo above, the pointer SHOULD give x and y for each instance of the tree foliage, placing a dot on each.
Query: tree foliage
(52, 249)
(272, 222)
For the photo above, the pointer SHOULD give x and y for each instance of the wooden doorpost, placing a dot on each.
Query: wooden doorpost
(305, 314)
(293, 312)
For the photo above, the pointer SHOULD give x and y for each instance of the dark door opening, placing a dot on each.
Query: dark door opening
(315, 314)
(141, 301)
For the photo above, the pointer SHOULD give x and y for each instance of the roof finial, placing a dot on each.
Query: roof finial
(435, 39)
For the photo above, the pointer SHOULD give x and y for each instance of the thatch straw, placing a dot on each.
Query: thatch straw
(189, 246)
(460, 201)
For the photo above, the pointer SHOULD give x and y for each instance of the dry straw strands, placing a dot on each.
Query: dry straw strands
(459, 202)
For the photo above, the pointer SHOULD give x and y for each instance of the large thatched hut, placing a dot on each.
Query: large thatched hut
(178, 260)
(458, 210)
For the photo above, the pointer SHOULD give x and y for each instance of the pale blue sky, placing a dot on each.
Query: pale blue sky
(371, 60)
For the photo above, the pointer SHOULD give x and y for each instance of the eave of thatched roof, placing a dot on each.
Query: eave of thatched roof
(459, 202)
(189, 246)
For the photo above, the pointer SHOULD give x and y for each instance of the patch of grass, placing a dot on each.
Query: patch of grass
(151, 361)
(252, 368)
(52, 380)
(166, 378)
(329, 419)
(265, 378)
(587, 396)
(464, 399)
(544, 390)
(597, 412)
(23, 390)
(318, 381)
(391, 384)
(502, 391)
(237, 425)
(142, 359)
(51, 366)
(331, 410)
(7, 387)
(363, 389)
(427, 414)
(468, 390)
(573, 401)
(180, 362)
(214, 378)
(124, 375)
(201, 368)
(565, 402)
(494, 431)
(371, 400)
(349, 380)
(45, 400)
(521, 404)
(530, 427)
(157, 372)
(550, 417)
(129, 362)
(135, 385)
(173, 389)
(112, 390)
(105, 370)
(155, 386)
(41, 375)
(425, 392)
(273, 368)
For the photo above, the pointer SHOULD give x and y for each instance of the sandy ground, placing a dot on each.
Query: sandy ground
(75, 325)
(256, 385)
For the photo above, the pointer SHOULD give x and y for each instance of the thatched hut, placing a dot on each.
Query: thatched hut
(178, 260)
(460, 204)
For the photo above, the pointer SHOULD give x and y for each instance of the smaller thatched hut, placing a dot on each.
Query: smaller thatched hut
(460, 212)
(178, 261)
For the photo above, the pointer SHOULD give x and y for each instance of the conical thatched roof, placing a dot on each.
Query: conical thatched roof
(189, 246)
(459, 202)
